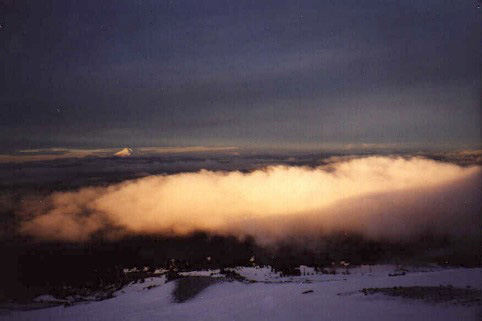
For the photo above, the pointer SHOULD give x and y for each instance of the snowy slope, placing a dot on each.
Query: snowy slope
(334, 297)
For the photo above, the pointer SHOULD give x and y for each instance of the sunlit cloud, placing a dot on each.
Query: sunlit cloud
(375, 196)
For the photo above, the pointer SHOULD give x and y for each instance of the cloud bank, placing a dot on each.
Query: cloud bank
(379, 197)
(46, 154)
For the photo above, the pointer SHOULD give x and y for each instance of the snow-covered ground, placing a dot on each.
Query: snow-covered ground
(272, 297)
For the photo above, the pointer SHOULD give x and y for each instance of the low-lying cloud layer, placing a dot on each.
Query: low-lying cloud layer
(380, 197)
(46, 154)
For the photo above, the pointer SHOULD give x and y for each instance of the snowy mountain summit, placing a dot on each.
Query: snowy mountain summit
(124, 152)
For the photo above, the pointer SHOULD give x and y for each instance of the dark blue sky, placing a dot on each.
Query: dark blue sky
(305, 74)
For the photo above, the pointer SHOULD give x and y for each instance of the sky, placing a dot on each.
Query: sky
(264, 74)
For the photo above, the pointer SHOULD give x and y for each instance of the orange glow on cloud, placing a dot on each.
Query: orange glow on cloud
(376, 196)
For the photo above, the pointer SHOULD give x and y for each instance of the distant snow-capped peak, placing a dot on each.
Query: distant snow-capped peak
(124, 152)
